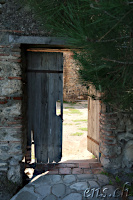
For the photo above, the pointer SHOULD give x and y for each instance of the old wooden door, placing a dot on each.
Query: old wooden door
(93, 124)
(45, 88)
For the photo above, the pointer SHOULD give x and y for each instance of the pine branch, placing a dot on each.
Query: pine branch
(116, 24)
(111, 40)
(119, 62)
(110, 15)
(129, 3)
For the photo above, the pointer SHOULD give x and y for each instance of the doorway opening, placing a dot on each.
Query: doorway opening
(74, 120)
(75, 112)
(75, 131)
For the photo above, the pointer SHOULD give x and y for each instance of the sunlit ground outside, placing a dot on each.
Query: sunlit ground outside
(75, 116)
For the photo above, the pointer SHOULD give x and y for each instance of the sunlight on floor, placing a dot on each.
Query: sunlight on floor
(75, 117)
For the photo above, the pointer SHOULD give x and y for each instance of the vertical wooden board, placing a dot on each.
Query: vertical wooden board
(55, 122)
(58, 137)
(93, 127)
(37, 102)
(42, 137)
(44, 89)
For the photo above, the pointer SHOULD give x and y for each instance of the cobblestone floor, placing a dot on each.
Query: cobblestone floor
(71, 181)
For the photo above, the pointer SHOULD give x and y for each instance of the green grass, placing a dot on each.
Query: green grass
(105, 173)
(80, 120)
(77, 124)
(74, 111)
(130, 175)
(68, 108)
(117, 179)
(83, 129)
(58, 111)
(130, 190)
(93, 156)
(66, 102)
(65, 112)
(77, 134)
(71, 103)
(110, 182)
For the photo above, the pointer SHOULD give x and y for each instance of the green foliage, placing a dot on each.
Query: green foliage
(77, 134)
(117, 179)
(102, 31)
(80, 120)
(105, 173)
(83, 129)
(110, 182)
(75, 111)
(68, 107)
(93, 156)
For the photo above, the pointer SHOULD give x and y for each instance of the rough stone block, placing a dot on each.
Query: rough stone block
(25, 195)
(56, 178)
(50, 197)
(93, 184)
(10, 87)
(11, 111)
(85, 176)
(110, 150)
(79, 186)
(10, 134)
(4, 155)
(105, 162)
(64, 170)
(3, 166)
(73, 196)
(43, 190)
(8, 69)
(59, 190)
(103, 179)
(77, 171)
(14, 174)
(15, 148)
(109, 192)
(69, 178)
(13, 162)
(128, 154)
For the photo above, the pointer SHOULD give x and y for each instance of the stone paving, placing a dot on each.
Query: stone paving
(70, 186)
(65, 187)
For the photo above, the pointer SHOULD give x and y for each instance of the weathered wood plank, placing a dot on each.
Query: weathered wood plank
(93, 124)
(44, 89)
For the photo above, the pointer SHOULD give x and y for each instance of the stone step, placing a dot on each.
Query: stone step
(68, 168)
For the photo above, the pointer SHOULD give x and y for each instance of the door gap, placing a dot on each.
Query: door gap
(75, 132)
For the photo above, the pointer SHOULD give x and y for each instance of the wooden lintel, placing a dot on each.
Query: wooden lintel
(47, 50)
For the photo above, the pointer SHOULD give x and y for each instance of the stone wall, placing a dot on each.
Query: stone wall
(10, 110)
(14, 20)
(73, 89)
(116, 141)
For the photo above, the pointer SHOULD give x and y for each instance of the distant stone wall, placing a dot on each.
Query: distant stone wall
(73, 89)
(116, 141)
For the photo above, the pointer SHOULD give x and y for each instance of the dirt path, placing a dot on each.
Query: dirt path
(75, 131)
